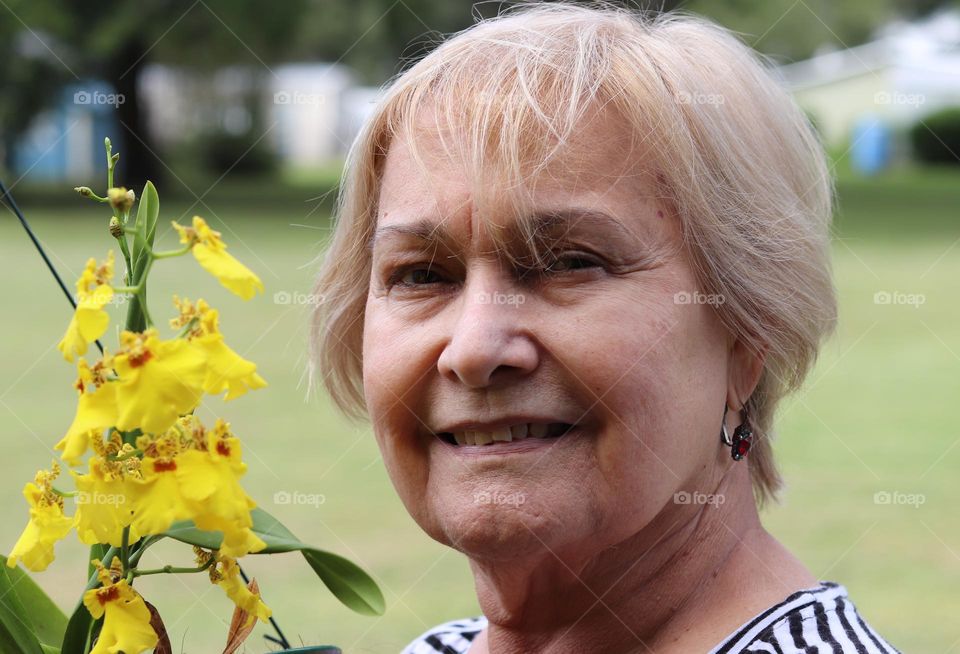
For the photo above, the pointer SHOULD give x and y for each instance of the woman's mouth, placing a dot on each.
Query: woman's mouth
(507, 434)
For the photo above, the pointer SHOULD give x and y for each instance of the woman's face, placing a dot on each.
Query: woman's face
(610, 338)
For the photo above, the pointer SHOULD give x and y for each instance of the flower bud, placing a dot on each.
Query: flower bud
(116, 229)
(121, 199)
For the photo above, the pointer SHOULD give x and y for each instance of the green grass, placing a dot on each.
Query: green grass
(879, 413)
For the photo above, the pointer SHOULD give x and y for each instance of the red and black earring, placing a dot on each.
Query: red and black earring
(742, 435)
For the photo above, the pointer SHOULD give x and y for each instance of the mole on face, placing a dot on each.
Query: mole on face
(659, 214)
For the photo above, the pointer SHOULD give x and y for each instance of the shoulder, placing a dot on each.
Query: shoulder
(452, 637)
(822, 618)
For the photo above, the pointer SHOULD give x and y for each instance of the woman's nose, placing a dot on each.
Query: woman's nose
(489, 336)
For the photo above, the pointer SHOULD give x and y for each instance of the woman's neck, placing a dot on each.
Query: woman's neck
(691, 577)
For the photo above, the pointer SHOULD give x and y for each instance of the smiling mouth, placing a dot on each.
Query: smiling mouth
(507, 434)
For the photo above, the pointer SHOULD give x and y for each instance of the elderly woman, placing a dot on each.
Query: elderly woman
(580, 256)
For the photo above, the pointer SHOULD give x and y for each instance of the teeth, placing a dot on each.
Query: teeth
(502, 435)
(505, 434)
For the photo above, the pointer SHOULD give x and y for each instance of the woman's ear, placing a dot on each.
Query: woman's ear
(746, 366)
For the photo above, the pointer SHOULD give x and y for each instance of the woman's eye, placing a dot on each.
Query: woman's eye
(415, 276)
(573, 261)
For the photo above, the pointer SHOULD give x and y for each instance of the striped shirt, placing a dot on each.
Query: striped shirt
(818, 620)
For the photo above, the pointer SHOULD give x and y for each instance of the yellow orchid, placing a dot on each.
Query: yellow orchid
(47, 523)
(211, 253)
(226, 574)
(89, 320)
(105, 499)
(209, 479)
(193, 473)
(126, 618)
(226, 370)
(96, 410)
(159, 502)
(158, 380)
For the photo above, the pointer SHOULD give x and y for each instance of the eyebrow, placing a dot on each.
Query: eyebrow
(544, 221)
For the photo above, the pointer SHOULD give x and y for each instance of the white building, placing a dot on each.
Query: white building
(908, 71)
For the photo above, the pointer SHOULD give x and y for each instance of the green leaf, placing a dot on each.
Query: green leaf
(47, 619)
(77, 632)
(347, 581)
(16, 628)
(148, 210)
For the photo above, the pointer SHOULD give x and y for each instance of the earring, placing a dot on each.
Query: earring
(742, 435)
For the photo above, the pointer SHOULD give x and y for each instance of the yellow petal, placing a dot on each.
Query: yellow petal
(158, 384)
(46, 526)
(96, 410)
(126, 623)
(232, 274)
(227, 370)
(104, 507)
(89, 323)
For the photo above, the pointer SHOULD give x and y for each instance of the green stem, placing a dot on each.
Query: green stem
(186, 328)
(125, 249)
(169, 569)
(124, 457)
(125, 550)
(147, 542)
(171, 253)
(127, 289)
(108, 557)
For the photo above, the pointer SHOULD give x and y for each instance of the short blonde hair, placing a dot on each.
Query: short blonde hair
(736, 159)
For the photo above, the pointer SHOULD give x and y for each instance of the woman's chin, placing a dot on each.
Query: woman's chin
(509, 526)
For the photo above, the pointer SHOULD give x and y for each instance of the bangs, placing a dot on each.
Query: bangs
(509, 109)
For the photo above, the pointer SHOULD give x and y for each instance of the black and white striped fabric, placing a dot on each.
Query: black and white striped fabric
(819, 620)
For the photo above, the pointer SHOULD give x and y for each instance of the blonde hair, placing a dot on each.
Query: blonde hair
(736, 158)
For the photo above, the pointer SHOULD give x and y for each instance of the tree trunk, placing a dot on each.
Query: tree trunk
(139, 160)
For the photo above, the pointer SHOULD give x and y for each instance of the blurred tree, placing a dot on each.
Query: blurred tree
(377, 38)
(115, 41)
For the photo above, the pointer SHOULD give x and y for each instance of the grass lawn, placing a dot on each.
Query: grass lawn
(878, 415)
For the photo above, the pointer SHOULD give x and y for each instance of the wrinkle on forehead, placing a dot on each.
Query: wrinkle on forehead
(488, 197)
